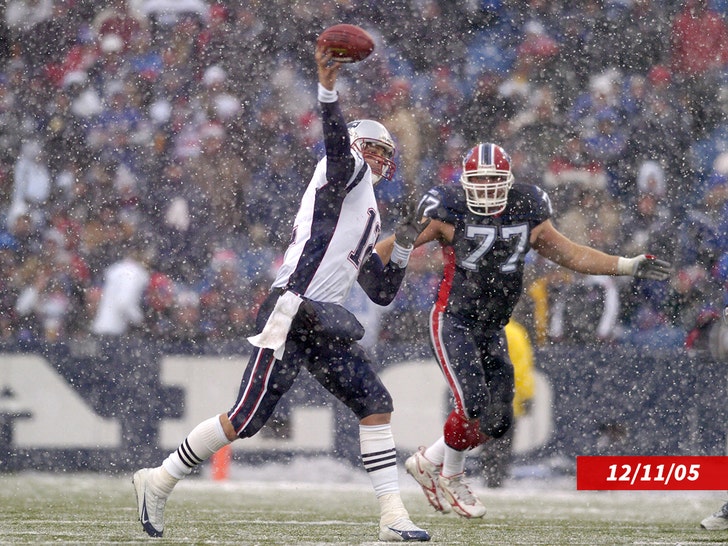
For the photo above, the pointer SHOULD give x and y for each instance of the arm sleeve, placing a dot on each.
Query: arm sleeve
(380, 282)
(339, 161)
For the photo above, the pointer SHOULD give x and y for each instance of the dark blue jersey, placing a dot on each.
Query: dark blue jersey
(483, 275)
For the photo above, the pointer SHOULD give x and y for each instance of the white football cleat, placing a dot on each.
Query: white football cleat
(395, 524)
(150, 505)
(718, 521)
(426, 473)
(463, 501)
(402, 530)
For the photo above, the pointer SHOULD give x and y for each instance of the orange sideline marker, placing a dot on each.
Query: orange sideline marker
(220, 462)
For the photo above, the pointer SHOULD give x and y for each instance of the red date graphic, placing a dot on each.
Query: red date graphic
(651, 472)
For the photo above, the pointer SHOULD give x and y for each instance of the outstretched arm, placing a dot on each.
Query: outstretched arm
(558, 248)
(339, 162)
(553, 245)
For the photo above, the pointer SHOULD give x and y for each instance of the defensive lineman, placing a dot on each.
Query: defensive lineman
(302, 323)
(486, 225)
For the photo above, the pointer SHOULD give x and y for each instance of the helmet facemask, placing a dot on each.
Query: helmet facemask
(486, 179)
(379, 158)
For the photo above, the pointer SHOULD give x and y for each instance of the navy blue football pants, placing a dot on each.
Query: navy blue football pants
(342, 367)
(477, 369)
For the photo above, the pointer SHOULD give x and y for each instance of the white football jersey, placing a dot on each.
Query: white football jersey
(333, 235)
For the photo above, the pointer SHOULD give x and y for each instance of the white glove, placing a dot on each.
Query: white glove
(644, 266)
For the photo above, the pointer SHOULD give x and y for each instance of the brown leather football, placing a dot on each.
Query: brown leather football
(347, 43)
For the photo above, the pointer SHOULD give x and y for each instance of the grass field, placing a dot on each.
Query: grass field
(269, 508)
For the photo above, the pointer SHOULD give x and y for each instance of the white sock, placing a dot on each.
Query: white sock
(391, 509)
(379, 457)
(453, 463)
(436, 452)
(162, 482)
(204, 440)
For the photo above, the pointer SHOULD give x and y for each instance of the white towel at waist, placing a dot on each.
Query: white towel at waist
(276, 329)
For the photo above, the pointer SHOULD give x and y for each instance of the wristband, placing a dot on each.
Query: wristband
(625, 266)
(400, 255)
(326, 95)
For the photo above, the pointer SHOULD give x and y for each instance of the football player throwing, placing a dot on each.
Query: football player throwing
(303, 324)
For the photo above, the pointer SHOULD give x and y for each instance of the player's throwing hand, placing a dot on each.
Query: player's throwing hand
(328, 69)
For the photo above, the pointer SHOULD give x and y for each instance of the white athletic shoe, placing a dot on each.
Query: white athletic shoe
(151, 505)
(426, 473)
(402, 530)
(395, 524)
(718, 521)
(457, 492)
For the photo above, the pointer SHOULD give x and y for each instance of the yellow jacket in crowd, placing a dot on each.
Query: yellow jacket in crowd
(521, 353)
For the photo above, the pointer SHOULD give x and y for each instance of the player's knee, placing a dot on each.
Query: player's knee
(461, 433)
(498, 427)
(379, 403)
(384, 403)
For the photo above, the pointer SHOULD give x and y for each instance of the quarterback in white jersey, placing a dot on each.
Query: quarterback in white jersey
(302, 323)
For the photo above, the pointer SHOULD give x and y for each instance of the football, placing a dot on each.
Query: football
(347, 43)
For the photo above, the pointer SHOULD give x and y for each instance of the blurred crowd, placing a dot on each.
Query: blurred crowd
(153, 152)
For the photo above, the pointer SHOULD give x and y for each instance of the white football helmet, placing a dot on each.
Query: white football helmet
(486, 179)
(372, 140)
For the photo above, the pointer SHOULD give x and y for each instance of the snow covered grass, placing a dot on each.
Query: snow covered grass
(311, 502)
